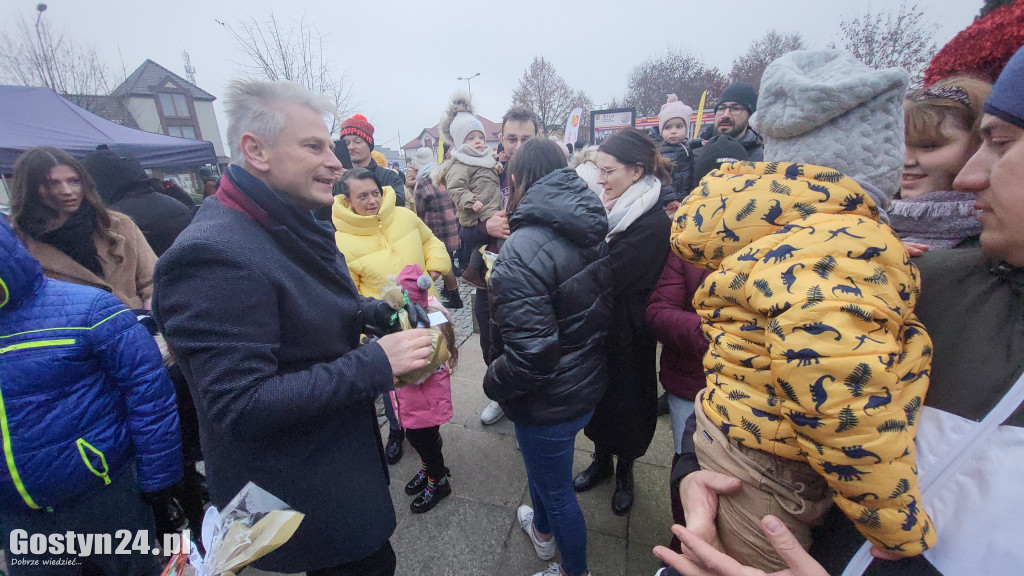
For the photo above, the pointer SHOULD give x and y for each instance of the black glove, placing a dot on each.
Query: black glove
(417, 315)
(383, 319)
(158, 496)
(167, 512)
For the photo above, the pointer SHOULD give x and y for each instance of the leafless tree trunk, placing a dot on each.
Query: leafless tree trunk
(542, 90)
(900, 39)
(295, 52)
(750, 66)
(31, 56)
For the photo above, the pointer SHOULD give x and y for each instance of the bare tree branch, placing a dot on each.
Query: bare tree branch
(680, 73)
(901, 39)
(296, 52)
(549, 96)
(31, 56)
(750, 66)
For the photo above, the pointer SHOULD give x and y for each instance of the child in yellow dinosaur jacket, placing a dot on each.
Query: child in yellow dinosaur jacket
(817, 367)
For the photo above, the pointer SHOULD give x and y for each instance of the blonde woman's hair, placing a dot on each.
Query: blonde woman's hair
(960, 98)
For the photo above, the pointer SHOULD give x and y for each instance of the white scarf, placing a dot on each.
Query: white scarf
(467, 155)
(634, 203)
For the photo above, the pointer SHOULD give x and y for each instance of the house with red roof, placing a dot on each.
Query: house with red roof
(430, 136)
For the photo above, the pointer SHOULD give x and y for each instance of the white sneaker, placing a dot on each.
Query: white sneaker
(553, 570)
(546, 550)
(492, 413)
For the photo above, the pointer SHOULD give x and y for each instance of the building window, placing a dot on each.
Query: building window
(182, 131)
(174, 105)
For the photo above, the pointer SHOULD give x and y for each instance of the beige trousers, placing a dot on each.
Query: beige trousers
(787, 489)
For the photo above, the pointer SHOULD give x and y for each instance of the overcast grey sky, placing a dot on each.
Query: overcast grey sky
(403, 57)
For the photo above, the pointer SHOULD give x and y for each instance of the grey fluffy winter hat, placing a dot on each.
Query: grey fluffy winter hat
(825, 107)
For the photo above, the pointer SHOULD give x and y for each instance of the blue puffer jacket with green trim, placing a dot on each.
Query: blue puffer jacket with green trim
(83, 390)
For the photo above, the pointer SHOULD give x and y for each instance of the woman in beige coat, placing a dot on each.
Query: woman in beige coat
(60, 217)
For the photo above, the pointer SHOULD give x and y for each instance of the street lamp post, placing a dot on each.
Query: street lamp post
(468, 84)
(42, 49)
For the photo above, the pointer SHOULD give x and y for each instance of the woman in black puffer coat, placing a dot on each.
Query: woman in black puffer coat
(550, 297)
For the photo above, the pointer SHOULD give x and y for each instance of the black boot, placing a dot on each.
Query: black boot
(418, 482)
(434, 492)
(598, 470)
(451, 299)
(622, 498)
(393, 451)
(663, 404)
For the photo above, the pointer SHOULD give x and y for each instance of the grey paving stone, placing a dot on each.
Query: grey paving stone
(651, 516)
(606, 555)
(485, 467)
(661, 450)
(468, 400)
(460, 537)
(471, 361)
(640, 561)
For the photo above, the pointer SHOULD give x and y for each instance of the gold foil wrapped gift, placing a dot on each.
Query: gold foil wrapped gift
(439, 355)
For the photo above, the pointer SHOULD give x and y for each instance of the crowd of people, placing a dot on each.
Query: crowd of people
(834, 274)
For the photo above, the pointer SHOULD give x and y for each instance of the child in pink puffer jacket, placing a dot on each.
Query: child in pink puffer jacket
(422, 407)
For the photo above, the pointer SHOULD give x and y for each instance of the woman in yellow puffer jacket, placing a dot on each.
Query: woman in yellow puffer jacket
(816, 357)
(378, 238)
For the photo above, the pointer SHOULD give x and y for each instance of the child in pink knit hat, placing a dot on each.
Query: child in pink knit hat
(423, 406)
(673, 125)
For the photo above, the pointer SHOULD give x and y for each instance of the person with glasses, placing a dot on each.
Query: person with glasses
(517, 126)
(631, 173)
(732, 116)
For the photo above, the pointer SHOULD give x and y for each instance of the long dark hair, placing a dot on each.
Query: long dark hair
(632, 147)
(535, 159)
(32, 171)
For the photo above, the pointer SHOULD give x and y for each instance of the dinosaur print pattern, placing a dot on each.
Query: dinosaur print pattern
(815, 352)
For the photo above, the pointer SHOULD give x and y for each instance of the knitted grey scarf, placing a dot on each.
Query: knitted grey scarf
(467, 155)
(939, 219)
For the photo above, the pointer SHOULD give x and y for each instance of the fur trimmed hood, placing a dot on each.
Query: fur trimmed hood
(438, 174)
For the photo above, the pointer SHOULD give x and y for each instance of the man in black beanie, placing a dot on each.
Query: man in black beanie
(732, 115)
(718, 150)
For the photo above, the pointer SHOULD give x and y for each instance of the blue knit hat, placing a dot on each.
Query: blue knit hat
(1007, 98)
